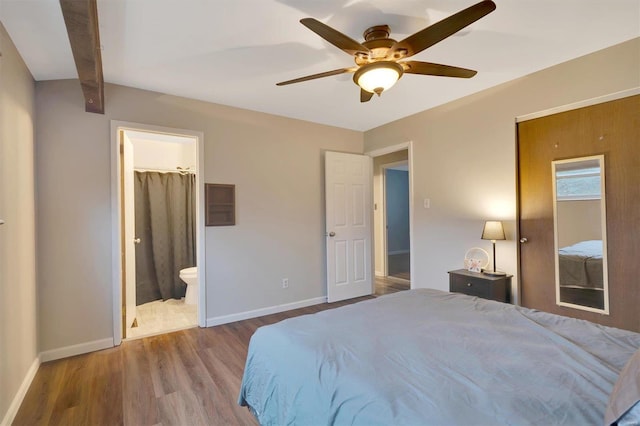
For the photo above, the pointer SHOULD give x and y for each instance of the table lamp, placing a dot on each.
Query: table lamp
(493, 231)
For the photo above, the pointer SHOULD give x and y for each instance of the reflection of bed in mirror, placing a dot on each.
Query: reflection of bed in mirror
(581, 277)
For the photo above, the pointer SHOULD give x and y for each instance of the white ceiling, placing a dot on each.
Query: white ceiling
(232, 52)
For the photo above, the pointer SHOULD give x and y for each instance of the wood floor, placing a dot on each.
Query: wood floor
(390, 285)
(398, 265)
(190, 377)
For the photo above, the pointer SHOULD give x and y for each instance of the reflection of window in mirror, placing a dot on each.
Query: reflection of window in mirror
(578, 184)
(579, 211)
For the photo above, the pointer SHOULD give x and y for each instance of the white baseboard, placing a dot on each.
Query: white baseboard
(378, 274)
(225, 319)
(22, 391)
(78, 349)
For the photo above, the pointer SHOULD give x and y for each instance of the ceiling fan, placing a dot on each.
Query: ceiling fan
(380, 59)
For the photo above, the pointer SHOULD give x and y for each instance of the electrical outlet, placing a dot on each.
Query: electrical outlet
(285, 283)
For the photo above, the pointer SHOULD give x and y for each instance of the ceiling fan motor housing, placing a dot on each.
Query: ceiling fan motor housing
(376, 32)
(378, 42)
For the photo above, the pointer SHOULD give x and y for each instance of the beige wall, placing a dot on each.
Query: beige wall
(378, 222)
(578, 220)
(464, 156)
(275, 163)
(18, 349)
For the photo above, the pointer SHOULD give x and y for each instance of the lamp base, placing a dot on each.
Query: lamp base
(494, 273)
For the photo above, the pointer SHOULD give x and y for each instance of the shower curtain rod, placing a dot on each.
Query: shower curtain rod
(176, 170)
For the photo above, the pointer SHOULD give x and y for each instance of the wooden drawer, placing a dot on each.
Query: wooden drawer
(470, 285)
(481, 285)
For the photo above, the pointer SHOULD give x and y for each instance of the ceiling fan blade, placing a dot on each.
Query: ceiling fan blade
(428, 68)
(334, 37)
(440, 30)
(319, 75)
(365, 96)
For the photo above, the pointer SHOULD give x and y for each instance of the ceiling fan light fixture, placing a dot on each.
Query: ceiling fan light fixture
(378, 76)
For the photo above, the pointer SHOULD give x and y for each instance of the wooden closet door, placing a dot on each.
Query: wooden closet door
(612, 129)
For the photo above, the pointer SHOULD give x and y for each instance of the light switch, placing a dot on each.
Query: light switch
(427, 203)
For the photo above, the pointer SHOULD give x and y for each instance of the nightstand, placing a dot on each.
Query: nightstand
(481, 285)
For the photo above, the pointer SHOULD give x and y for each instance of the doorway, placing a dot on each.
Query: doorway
(392, 215)
(396, 218)
(159, 230)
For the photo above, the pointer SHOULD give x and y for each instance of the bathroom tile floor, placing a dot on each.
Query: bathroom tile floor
(162, 317)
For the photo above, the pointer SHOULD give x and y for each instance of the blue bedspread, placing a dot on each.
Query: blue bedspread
(426, 357)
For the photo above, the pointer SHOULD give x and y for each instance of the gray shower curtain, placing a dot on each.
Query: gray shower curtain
(165, 224)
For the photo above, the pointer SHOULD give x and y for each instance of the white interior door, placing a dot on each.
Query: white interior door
(348, 217)
(129, 232)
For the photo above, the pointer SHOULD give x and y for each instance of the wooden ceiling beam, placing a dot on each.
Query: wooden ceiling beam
(81, 20)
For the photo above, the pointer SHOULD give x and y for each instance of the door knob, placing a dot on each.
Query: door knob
(332, 234)
(136, 240)
(523, 240)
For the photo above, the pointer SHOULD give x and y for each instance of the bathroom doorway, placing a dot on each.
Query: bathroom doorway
(160, 231)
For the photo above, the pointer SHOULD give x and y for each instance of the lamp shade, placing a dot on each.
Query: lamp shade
(493, 230)
(378, 76)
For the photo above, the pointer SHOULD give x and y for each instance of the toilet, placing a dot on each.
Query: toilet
(190, 277)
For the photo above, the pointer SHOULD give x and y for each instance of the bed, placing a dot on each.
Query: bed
(581, 275)
(429, 357)
(581, 265)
